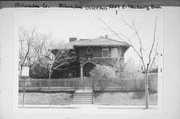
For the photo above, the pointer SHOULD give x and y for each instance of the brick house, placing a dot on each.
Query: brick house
(101, 50)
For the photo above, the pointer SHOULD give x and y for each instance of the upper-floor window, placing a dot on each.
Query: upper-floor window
(105, 52)
(89, 50)
(114, 52)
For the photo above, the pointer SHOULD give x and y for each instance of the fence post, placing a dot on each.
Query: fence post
(93, 84)
(74, 82)
(134, 84)
(40, 84)
(65, 83)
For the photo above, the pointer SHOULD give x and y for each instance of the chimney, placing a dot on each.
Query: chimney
(72, 39)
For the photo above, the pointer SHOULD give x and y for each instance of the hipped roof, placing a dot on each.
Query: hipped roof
(100, 41)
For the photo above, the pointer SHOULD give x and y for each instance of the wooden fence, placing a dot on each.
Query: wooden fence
(72, 84)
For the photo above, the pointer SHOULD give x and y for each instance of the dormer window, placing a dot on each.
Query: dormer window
(89, 50)
(105, 52)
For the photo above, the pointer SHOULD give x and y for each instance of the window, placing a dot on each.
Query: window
(89, 50)
(114, 52)
(105, 52)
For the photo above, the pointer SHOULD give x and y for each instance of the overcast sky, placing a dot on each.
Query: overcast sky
(65, 23)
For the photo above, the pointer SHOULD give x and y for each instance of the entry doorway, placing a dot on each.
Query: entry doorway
(87, 68)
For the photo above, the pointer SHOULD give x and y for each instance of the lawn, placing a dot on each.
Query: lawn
(101, 98)
(124, 98)
(34, 98)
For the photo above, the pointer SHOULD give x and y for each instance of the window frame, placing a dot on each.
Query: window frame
(105, 49)
(87, 50)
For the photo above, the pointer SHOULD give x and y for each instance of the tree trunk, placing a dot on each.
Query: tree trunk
(20, 74)
(49, 79)
(146, 91)
(102, 86)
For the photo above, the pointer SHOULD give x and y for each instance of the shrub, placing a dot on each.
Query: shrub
(102, 73)
(37, 71)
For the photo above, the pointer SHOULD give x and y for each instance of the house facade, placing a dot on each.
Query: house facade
(90, 52)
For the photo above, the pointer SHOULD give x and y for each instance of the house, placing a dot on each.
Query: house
(101, 50)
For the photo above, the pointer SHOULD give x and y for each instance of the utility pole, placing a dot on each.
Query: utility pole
(21, 68)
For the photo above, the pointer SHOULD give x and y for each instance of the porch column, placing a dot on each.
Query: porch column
(81, 71)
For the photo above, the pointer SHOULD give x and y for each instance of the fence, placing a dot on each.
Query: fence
(43, 84)
(72, 84)
(125, 85)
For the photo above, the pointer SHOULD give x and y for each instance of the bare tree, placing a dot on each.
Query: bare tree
(39, 48)
(26, 39)
(59, 58)
(146, 63)
(52, 59)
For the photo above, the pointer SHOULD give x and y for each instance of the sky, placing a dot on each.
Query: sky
(86, 24)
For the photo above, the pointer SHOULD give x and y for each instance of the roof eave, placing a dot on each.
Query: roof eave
(100, 45)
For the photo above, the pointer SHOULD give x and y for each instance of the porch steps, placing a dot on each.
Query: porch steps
(82, 97)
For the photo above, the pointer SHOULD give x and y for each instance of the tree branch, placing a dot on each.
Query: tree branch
(155, 54)
(111, 29)
(152, 46)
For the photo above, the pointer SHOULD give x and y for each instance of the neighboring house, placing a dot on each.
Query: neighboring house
(101, 50)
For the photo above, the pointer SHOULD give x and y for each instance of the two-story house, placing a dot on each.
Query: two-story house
(101, 50)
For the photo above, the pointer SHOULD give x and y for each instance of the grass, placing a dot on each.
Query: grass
(35, 98)
(101, 98)
(124, 98)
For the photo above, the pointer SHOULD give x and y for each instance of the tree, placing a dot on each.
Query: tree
(26, 39)
(52, 59)
(36, 71)
(146, 62)
(40, 50)
(35, 50)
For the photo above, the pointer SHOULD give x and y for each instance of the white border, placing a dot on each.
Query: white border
(88, 109)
